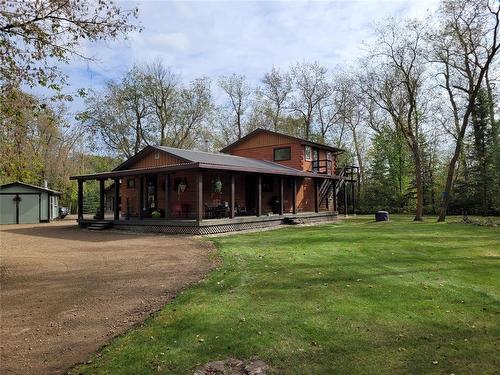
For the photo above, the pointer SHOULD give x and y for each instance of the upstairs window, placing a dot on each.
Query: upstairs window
(328, 155)
(282, 154)
(308, 153)
(131, 183)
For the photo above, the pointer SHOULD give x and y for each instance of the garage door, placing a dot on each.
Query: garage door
(29, 209)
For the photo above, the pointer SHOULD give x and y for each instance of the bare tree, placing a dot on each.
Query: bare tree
(463, 46)
(277, 88)
(395, 81)
(351, 115)
(193, 109)
(311, 85)
(238, 92)
(160, 88)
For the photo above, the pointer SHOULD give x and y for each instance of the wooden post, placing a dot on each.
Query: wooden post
(117, 199)
(281, 196)
(316, 198)
(345, 198)
(352, 193)
(199, 197)
(101, 199)
(334, 187)
(231, 206)
(259, 195)
(167, 196)
(80, 199)
(141, 197)
(294, 197)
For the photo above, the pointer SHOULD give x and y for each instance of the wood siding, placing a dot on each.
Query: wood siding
(150, 161)
(262, 146)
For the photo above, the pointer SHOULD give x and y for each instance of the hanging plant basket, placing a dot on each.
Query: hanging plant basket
(217, 185)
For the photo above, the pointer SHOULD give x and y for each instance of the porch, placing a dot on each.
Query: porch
(205, 200)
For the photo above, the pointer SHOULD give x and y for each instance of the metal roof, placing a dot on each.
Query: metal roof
(225, 160)
(301, 140)
(54, 192)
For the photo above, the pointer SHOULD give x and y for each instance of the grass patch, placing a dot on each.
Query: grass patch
(353, 297)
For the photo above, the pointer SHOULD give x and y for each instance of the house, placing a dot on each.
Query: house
(22, 203)
(264, 179)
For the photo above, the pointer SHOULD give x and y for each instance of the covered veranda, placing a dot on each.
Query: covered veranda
(203, 195)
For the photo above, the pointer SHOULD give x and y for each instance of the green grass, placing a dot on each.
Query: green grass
(353, 297)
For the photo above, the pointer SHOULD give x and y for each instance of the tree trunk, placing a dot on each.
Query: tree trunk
(419, 214)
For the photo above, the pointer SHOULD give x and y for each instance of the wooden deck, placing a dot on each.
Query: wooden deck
(210, 226)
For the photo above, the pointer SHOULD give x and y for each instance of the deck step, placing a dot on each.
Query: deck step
(100, 225)
(292, 221)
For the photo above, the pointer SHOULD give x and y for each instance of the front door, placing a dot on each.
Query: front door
(250, 193)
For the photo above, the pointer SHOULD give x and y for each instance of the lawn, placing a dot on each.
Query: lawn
(353, 297)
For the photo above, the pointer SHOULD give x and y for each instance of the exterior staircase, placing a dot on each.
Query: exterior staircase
(329, 190)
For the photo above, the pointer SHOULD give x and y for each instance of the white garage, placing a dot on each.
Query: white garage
(22, 203)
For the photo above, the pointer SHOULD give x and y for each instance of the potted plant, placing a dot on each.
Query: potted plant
(156, 214)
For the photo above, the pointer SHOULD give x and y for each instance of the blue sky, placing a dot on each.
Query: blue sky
(214, 38)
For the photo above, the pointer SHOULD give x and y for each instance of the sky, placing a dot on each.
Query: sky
(216, 38)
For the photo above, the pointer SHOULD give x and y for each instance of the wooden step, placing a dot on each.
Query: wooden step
(100, 225)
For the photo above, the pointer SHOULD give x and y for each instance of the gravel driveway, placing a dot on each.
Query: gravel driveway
(66, 291)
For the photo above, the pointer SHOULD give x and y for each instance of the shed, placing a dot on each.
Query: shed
(22, 203)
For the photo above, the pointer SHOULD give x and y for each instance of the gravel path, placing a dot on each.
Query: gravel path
(66, 291)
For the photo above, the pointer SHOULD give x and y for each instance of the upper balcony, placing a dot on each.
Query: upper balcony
(322, 166)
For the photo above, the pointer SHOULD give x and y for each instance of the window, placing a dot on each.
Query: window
(157, 155)
(131, 183)
(308, 153)
(328, 155)
(282, 154)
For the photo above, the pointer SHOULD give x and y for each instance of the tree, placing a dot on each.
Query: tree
(463, 48)
(311, 86)
(118, 115)
(238, 92)
(193, 109)
(160, 89)
(395, 81)
(277, 88)
(37, 35)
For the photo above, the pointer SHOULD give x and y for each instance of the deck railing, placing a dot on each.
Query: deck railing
(322, 166)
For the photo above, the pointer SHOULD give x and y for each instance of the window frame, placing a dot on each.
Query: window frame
(282, 148)
(130, 183)
(306, 157)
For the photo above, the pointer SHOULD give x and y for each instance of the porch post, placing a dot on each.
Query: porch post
(167, 196)
(294, 197)
(199, 197)
(345, 198)
(281, 195)
(316, 198)
(231, 206)
(141, 197)
(352, 193)
(80, 199)
(101, 199)
(117, 199)
(259, 195)
(334, 187)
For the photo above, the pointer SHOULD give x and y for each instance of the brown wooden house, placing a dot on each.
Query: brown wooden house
(263, 179)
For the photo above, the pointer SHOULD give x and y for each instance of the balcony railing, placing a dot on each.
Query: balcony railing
(322, 166)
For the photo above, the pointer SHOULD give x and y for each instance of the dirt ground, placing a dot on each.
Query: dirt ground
(67, 291)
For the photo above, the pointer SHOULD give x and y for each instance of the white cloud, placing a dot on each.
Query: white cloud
(214, 38)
